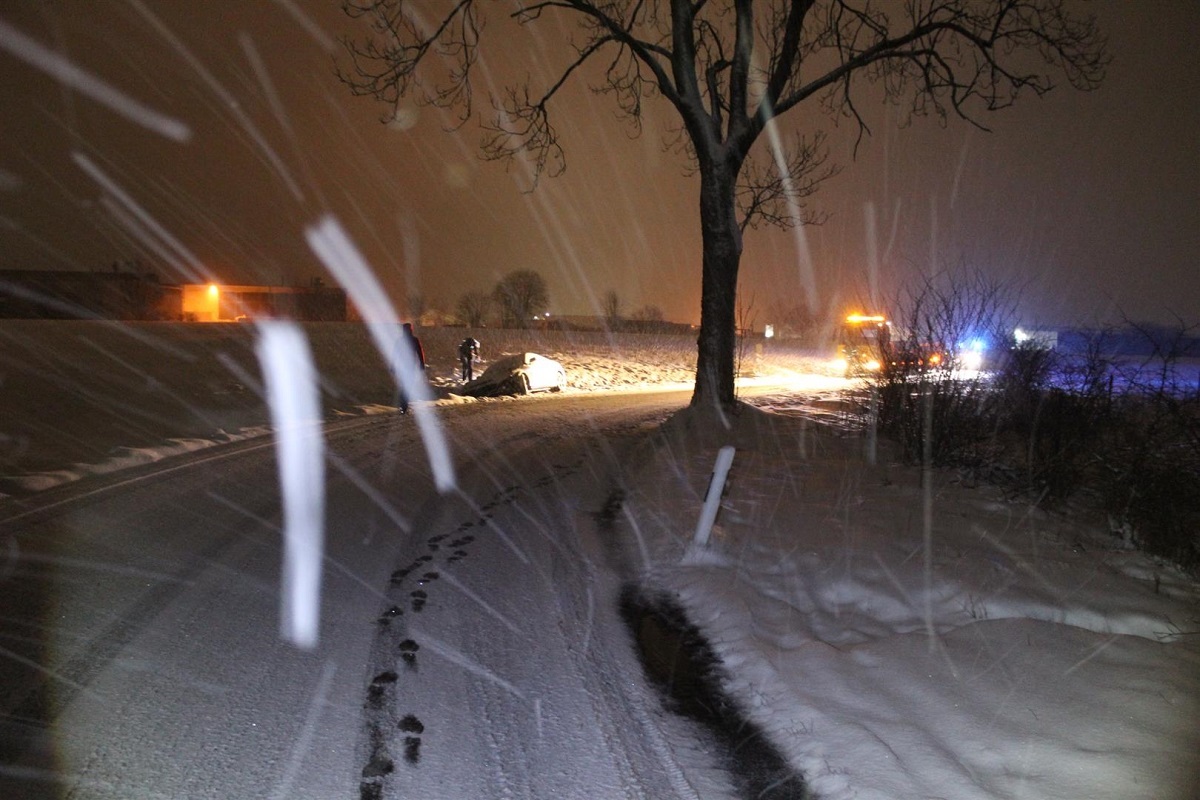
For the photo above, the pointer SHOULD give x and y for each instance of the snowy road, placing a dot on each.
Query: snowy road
(465, 641)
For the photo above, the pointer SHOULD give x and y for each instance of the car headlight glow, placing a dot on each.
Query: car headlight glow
(972, 359)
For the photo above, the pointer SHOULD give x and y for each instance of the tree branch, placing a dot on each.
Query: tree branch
(409, 41)
(774, 193)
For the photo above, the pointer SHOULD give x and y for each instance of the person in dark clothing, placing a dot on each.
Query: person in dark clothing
(468, 354)
(408, 339)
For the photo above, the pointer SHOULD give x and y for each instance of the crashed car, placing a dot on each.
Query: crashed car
(523, 373)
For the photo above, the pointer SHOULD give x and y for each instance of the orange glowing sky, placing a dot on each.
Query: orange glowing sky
(1088, 200)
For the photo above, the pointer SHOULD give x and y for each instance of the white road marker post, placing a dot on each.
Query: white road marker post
(712, 500)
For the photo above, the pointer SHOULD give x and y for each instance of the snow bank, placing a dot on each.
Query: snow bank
(899, 642)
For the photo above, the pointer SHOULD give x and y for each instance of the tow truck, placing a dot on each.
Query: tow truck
(866, 345)
(863, 343)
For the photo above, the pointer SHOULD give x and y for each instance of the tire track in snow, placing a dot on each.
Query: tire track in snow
(526, 505)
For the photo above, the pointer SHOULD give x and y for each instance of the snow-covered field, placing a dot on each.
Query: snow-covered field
(897, 635)
(81, 397)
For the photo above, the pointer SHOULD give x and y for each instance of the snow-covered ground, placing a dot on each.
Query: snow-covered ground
(87, 397)
(900, 640)
(896, 634)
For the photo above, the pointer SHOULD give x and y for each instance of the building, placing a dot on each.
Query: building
(63, 294)
(211, 302)
(121, 295)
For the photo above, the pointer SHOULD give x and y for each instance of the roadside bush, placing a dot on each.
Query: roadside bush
(937, 414)
(935, 419)
(1051, 427)
(1047, 433)
(1149, 476)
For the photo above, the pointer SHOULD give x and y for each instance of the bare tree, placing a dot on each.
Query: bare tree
(473, 308)
(647, 314)
(611, 304)
(520, 296)
(728, 69)
(746, 318)
(791, 320)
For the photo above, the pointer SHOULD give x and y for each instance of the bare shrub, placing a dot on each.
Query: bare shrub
(934, 409)
(1052, 426)
(1150, 465)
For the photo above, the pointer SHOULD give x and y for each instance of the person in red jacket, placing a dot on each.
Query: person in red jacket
(409, 340)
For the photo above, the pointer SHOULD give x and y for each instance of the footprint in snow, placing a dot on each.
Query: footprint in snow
(390, 614)
(412, 743)
(378, 688)
(419, 597)
(410, 724)
(377, 767)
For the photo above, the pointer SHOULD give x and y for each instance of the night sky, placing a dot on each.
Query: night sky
(1089, 201)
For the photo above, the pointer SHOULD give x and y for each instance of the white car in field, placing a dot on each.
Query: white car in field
(522, 373)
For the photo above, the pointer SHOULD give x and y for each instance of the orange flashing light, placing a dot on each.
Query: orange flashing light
(857, 318)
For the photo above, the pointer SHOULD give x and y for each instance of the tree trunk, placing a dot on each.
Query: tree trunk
(718, 291)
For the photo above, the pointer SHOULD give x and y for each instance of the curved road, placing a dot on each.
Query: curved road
(466, 641)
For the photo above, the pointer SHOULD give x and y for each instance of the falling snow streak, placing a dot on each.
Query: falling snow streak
(307, 734)
(228, 101)
(804, 260)
(271, 92)
(479, 601)
(331, 562)
(332, 245)
(872, 242)
(326, 42)
(72, 310)
(290, 379)
(486, 518)
(142, 225)
(374, 495)
(62, 70)
(460, 659)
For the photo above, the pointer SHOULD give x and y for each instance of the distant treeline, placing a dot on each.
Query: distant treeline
(38, 294)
